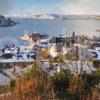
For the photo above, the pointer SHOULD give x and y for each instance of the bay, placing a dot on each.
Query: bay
(51, 27)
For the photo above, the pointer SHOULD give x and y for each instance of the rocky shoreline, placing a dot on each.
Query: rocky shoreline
(5, 22)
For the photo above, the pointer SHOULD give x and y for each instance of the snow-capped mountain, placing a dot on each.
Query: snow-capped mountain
(65, 17)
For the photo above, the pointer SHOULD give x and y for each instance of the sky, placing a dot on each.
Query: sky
(68, 7)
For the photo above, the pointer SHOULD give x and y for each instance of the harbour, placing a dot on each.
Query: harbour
(49, 50)
(72, 46)
(51, 27)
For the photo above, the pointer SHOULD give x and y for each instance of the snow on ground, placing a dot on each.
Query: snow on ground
(24, 50)
(3, 79)
(97, 52)
(15, 60)
(53, 52)
(65, 50)
(79, 45)
(76, 67)
(98, 55)
(16, 70)
(46, 65)
(23, 58)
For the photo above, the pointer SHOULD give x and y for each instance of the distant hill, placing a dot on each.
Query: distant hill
(63, 17)
(4, 22)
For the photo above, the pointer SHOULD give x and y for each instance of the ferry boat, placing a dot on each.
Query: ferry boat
(33, 37)
(26, 38)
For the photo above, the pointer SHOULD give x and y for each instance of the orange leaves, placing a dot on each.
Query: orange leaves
(33, 84)
(25, 86)
(44, 53)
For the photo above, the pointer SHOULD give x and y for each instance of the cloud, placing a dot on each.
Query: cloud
(34, 11)
(80, 7)
(5, 6)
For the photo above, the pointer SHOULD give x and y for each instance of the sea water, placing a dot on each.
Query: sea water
(12, 34)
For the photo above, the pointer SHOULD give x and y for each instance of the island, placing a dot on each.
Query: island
(4, 22)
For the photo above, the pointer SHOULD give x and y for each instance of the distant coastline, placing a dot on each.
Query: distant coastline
(63, 17)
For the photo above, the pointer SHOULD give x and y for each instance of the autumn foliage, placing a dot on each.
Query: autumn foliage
(33, 85)
(36, 84)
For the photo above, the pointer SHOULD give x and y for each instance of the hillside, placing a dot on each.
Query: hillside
(63, 17)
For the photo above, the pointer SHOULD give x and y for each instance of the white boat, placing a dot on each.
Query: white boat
(26, 38)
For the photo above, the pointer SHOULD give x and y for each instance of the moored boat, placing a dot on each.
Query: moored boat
(26, 38)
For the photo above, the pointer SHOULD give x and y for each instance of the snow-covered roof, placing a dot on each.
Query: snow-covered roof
(79, 45)
(65, 50)
(98, 53)
(3, 79)
(44, 40)
(53, 52)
